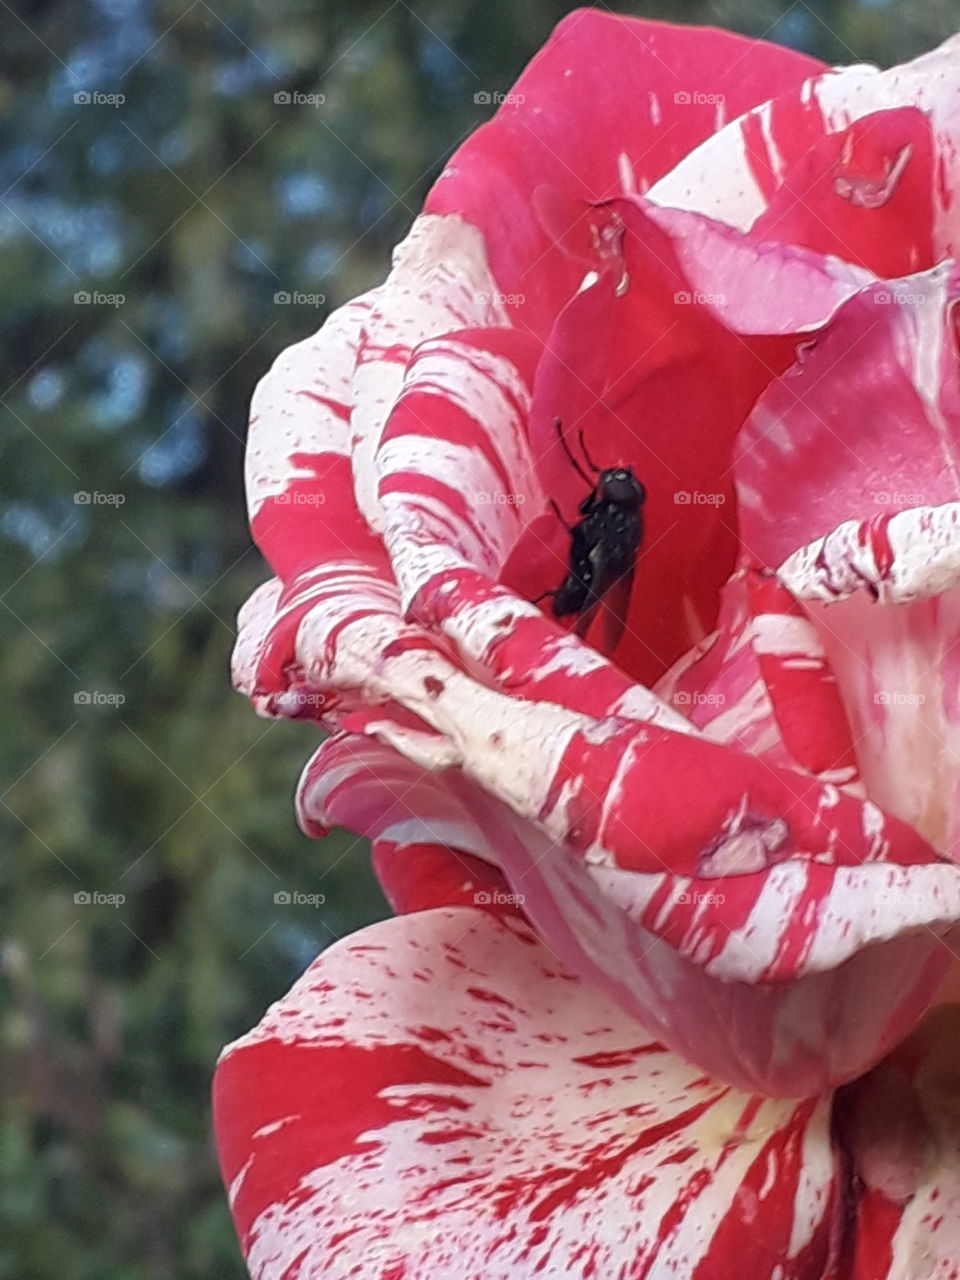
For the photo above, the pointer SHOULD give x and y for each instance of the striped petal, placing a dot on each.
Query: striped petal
(860, 443)
(518, 1126)
(570, 126)
(428, 849)
(900, 1132)
(850, 129)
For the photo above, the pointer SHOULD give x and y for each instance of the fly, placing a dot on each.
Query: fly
(604, 544)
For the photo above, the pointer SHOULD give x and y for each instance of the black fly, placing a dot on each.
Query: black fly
(603, 548)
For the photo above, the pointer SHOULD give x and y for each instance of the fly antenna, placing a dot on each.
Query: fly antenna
(583, 446)
(566, 448)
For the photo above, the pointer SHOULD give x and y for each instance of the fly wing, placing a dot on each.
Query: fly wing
(612, 558)
(608, 595)
(586, 617)
(614, 609)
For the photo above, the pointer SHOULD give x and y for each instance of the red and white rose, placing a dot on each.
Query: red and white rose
(671, 915)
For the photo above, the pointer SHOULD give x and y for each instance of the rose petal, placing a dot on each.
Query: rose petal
(456, 475)
(901, 1130)
(867, 520)
(517, 1126)
(863, 194)
(440, 283)
(762, 683)
(299, 444)
(899, 670)
(735, 174)
(566, 126)
(878, 434)
(751, 977)
(757, 285)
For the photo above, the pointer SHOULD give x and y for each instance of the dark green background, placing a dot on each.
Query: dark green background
(198, 199)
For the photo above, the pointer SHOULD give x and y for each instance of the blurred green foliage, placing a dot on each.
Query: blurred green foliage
(184, 210)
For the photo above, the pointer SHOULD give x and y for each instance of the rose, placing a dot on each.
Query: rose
(471, 1089)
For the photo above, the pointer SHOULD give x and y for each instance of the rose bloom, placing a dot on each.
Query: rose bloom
(669, 993)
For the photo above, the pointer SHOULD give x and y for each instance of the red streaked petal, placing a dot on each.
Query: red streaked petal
(899, 671)
(859, 444)
(863, 194)
(753, 284)
(298, 449)
(900, 1131)
(761, 684)
(440, 283)
(567, 126)
(519, 1125)
(801, 684)
(736, 174)
(864, 425)
(424, 838)
(456, 479)
(751, 977)
(417, 877)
